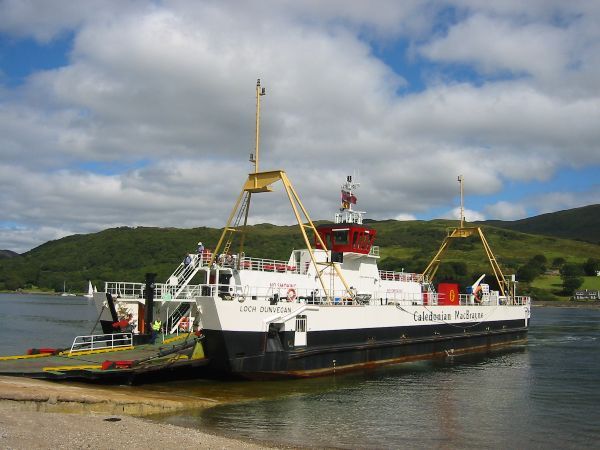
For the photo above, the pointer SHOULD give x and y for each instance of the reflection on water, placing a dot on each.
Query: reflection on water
(541, 395)
(413, 405)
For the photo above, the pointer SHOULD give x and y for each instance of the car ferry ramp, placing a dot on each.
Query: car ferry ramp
(111, 359)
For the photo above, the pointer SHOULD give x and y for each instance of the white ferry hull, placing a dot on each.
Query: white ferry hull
(258, 340)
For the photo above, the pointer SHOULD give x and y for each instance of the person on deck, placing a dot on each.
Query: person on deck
(156, 326)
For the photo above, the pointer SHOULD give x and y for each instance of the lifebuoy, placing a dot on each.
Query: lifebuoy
(291, 295)
(184, 323)
(478, 294)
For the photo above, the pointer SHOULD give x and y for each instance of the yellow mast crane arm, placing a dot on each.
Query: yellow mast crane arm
(258, 182)
(464, 232)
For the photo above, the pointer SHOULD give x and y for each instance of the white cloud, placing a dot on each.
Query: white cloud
(497, 45)
(404, 217)
(161, 97)
(556, 201)
(506, 211)
(469, 214)
(23, 239)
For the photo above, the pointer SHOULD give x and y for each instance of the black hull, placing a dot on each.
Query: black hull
(254, 355)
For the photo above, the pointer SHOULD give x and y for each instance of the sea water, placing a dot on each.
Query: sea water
(33, 321)
(545, 394)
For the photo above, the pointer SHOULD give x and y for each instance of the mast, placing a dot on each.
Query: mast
(259, 182)
(260, 91)
(347, 214)
(462, 205)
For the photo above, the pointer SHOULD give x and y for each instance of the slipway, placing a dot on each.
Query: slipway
(112, 358)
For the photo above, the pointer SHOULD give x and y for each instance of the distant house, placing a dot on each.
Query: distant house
(586, 294)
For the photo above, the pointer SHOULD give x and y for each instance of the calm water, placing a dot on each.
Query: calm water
(543, 395)
(28, 321)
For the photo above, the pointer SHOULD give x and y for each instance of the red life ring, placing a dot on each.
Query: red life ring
(291, 295)
(184, 323)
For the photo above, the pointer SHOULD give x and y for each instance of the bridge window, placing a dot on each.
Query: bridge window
(340, 236)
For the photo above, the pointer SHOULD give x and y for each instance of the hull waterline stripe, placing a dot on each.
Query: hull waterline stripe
(403, 359)
(398, 342)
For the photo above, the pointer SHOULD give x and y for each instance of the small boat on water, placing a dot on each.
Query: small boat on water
(326, 309)
(91, 290)
(64, 292)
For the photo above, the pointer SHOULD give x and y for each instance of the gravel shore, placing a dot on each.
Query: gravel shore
(38, 414)
(43, 430)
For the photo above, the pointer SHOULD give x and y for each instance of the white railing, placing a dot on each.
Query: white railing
(374, 251)
(521, 300)
(265, 265)
(101, 341)
(469, 299)
(184, 269)
(125, 289)
(162, 291)
(167, 292)
(187, 270)
(389, 275)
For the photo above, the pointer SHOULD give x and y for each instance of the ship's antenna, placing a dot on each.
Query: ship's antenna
(260, 91)
(462, 206)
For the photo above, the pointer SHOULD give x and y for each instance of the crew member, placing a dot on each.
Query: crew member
(156, 325)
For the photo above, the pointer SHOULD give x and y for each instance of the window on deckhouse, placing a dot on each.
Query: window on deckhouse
(340, 237)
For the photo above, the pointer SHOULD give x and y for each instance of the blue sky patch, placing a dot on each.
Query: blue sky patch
(20, 58)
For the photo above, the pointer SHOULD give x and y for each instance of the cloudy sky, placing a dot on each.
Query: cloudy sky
(142, 112)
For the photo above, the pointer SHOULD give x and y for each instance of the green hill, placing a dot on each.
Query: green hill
(579, 223)
(8, 254)
(126, 254)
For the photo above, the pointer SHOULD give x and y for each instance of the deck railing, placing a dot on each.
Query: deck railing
(390, 275)
(165, 292)
(101, 341)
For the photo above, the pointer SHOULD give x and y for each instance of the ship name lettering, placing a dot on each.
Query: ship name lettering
(276, 309)
(265, 309)
(431, 316)
(467, 315)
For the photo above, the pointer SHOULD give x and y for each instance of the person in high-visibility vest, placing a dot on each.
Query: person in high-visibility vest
(156, 325)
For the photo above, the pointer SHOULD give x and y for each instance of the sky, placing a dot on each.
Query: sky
(142, 113)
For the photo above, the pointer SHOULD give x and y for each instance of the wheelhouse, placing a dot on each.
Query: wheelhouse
(346, 237)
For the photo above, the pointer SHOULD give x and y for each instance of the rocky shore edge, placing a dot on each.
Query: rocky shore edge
(566, 304)
(37, 414)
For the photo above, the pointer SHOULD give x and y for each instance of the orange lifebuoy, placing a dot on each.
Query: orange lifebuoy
(291, 295)
(184, 323)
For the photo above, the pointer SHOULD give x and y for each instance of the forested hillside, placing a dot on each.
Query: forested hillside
(126, 254)
(581, 224)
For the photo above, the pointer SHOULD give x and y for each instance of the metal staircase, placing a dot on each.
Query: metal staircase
(176, 316)
(183, 274)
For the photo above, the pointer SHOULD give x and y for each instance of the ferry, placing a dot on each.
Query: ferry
(328, 308)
